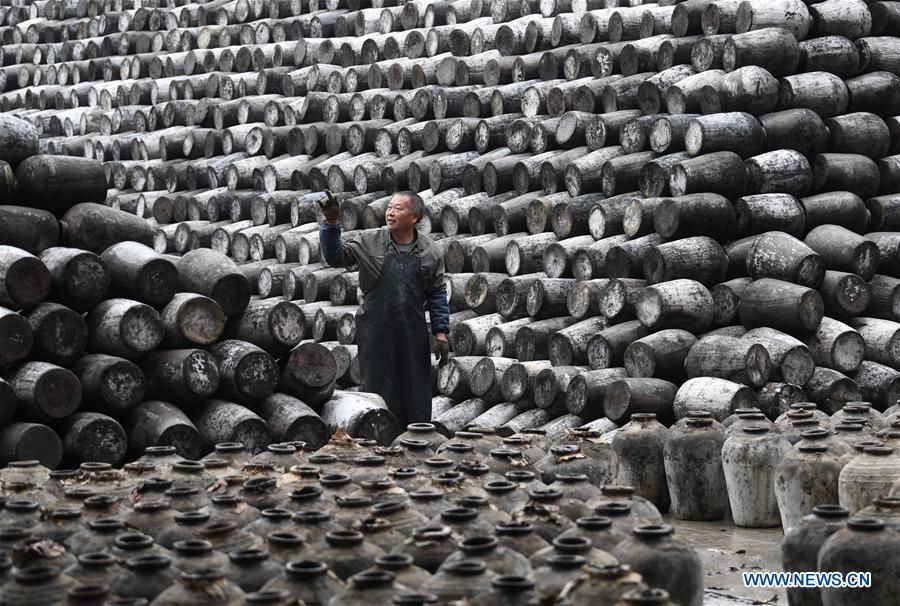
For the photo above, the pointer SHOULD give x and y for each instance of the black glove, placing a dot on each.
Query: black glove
(330, 207)
(441, 350)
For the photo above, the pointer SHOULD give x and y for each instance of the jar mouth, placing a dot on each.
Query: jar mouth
(219, 528)
(248, 556)
(815, 434)
(88, 591)
(414, 599)
(190, 518)
(478, 544)
(520, 475)
(105, 525)
(613, 509)
(66, 513)
(459, 514)
(653, 530)
(353, 502)
(404, 472)
(322, 459)
(97, 559)
(276, 514)
(334, 479)
(133, 541)
(433, 533)
(571, 478)
(459, 447)
(285, 539)
(192, 546)
(617, 490)
(420, 427)
(756, 429)
(511, 582)
(230, 447)
(831, 511)
(369, 461)
(344, 538)
(705, 414)
(387, 508)
(813, 448)
(306, 493)
(413, 444)
(426, 495)
(566, 560)
(159, 451)
(499, 486)
(32, 575)
(473, 468)
(306, 568)
(466, 567)
(865, 523)
(514, 529)
(372, 578)
(609, 571)
(226, 499)
(544, 495)
(646, 596)
(151, 506)
(311, 517)
(699, 422)
(100, 500)
(215, 463)
(22, 506)
(25, 463)
(192, 467)
(848, 427)
(394, 561)
(439, 462)
(571, 544)
(878, 451)
(269, 596)
(149, 562)
(643, 416)
(94, 466)
(282, 449)
(259, 484)
(472, 501)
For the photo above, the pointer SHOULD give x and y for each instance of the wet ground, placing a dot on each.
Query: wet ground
(726, 552)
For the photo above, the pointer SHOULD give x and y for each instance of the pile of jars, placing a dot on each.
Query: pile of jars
(522, 519)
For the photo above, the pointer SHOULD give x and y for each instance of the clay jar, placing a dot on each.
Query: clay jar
(309, 582)
(37, 586)
(507, 590)
(868, 476)
(422, 431)
(98, 568)
(604, 585)
(207, 586)
(807, 476)
(749, 460)
(663, 562)
(823, 436)
(504, 494)
(640, 506)
(801, 544)
(459, 580)
(367, 588)
(521, 538)
(886, 509)
(598, 530)
(574, 545)
(405, 572)
(866, 544)
(852, 434)
(98, 536)
(145, 577)
(346, 552)
(639, 445)
(270, 520)
(595, 448)
(250, 569)
(543, 514)
(286, 546)
(567, 459)
(557, 571)
(693, 461)
(497, 558)
(862, 411)
(429, 546)
(197, 555)
(60, 525)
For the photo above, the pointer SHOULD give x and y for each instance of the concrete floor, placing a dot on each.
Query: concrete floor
(726, 552)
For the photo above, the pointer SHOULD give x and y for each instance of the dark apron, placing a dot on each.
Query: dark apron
(394, 348)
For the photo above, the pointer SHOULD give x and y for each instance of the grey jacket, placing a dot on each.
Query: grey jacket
(367, 251)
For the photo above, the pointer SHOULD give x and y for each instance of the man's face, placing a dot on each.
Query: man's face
(398, 215)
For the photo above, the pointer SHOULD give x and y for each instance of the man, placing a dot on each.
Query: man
(400, 270)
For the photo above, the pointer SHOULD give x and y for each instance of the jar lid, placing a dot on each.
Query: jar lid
(830, 511)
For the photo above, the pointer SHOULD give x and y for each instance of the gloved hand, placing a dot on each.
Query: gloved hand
(441, 350)
(330, 207)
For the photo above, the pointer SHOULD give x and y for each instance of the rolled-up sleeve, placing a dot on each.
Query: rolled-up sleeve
(333, 249)
(436, 294)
